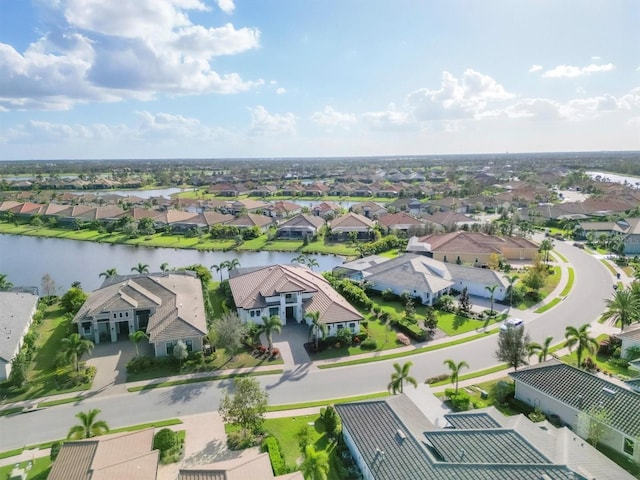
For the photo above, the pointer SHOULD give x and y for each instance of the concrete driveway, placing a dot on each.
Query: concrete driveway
(110, 360)
(291, 344)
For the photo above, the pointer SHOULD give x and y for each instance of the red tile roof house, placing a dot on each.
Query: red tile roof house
(472, 248)
(326, 209)
(342, 226)
(300, 226)
(290, 292)
(167, 306)
(122, 456)
(402, 222)
(251, 220)
(281, 209)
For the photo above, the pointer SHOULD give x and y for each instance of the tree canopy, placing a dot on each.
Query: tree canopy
(246, 406)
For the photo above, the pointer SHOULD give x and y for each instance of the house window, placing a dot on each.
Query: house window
(126, 314)
(189, 345)
(340, 327)
(169, 347)
(115, 315)
(86, 328)
(274, 311)
(629, 446)
(352, 326)
(120, 314)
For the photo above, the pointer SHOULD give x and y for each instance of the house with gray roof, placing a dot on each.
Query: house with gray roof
(242, 468)
(166, 306)
(16, 312)
(342, 226)
(290, 292)
(395, 439)
(424, 277)
(572, 394)
(300, 226)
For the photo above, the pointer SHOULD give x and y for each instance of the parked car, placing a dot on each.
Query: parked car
(511, 323)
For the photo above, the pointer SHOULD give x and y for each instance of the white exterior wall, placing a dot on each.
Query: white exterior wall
(570, 416)
(628, 343)
(425, 297)
(160, 348)
(357, 456)
(5, 370)
(332, 328)
(479, 290)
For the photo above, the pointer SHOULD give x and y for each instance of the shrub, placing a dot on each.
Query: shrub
(55, 450)
(238, 441)
(165, 440)
(503, 391)
(369, 344)
(439, 378)
(140, 364)
(272, 447)
(537, 415)
(460, 400)
(344, 336)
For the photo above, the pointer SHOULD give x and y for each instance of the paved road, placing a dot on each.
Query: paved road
(593, 284)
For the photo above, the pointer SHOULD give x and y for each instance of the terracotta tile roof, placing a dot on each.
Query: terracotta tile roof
(125, 456)
(300, 221)
(250, 220)
(351, 221)
(213, 218)
(472, 242)
(250, 287)
(398, 219)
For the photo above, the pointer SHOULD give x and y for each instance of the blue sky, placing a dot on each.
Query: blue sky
(279, 78)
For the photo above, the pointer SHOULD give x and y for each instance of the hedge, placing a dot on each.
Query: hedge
(271, 446)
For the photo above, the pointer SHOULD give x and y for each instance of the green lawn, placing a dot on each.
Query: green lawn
(285, 429)
(41, 373)
(39, 470)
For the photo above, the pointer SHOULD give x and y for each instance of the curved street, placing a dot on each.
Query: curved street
(584, 304)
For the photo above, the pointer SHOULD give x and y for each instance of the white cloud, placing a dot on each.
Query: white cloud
(265, 124)
(226, 6)
(116, 50)
(595, 58)
(569, 71)
(535, 68)
(457, 99)
(281, 91)
(388, 120)
(331, 118)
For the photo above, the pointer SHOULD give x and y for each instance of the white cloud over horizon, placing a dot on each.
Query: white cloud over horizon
(570, 71)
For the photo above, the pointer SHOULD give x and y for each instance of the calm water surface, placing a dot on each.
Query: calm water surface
(26, 259)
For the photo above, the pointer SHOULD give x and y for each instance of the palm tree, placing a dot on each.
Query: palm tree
(315, 465)
(300, 259)
(73, 347)
(316, 327)
(4, 283)
(541, 350)
(579, 338)
(164, 267)
(89, 427)
(455, 370)
(400, 376)
(545, 247)
(136, 337)
(623, 308)
(233, 264)
(492, 290)
(312, 262)
(512, 279)
(109, 273)
(269, 325)
(218, 269)
(141, 268)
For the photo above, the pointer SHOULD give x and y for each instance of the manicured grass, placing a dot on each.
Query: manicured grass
(62, 401)
(572, 277)
(609, 266)
(208, 378)
(42, 369)
(10, 411)
(562, 257)
(143, 426)
(600, 360)
(453, 324)
(330, 249)
(479, 373)
(407, 353)
(11, 453)
(285, 430)
(39, 469)
(549, 305)
(322, 403)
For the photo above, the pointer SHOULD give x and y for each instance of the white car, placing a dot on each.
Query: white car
(511, 323)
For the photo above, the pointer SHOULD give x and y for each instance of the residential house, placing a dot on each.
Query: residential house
(326, 210)
(342, 226)
(362, 190)
(405, 223)
(246, 467)
(292, 189)
(246, 205)
(317, 189)
(621, 227)
(16, 313)
(340, 190)
(264, 191)
(389, 191)
(281, 209)
(411, 205)
(290, 292)
(228, 189)
(571, 394)
(450, 221)
(300, 226)
(216, 218)
(630, 339)
(166, 306)
(251, 220)
(125, 456)
(472, 247)
(179, 221)
(447, 204)
(412, 436)
(369, 209)
(426, 278)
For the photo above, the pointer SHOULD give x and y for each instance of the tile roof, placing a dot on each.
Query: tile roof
(242, 468)
(351, 221)
(472, 421)
(473, 242)
(125, 456)
(250, 220)
(250, 287)
(412, 272)
(581, 390)
(398, 219)
(302, 221)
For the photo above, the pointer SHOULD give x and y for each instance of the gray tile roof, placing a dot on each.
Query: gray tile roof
(16, 309)
(581, 390)
(412, 272)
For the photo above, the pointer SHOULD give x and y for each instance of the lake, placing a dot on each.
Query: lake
(26, 259)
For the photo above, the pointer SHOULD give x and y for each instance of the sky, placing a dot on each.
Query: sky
(312, 78)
